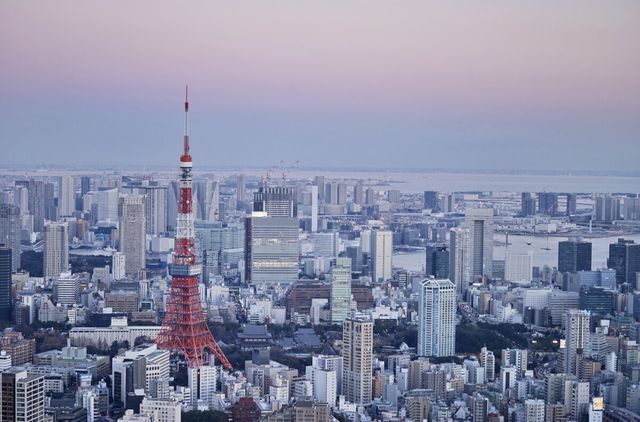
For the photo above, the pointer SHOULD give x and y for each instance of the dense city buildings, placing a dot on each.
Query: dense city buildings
(411, 212)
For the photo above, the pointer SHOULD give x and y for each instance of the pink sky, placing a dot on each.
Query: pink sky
(569, 60)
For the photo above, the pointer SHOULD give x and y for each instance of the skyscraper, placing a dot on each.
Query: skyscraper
(132, 233)
(319, 182)
(5, 284)
(624, 258)
(488, 362)
(271, 249)
(358, 193)
(357, 355)
(458, 258)
(606, 208)
(437, 261)
(431, 200)
(67, 289)
(528, 204)
(66, 196)
(240, 188)
(85, 184)
(479, 222)
(548, 203)
(10, 232)
(381, 254)
(340, 299)
(155, 211)
(275, 201)
(578, 337)
(55, 249)
(436, 318)
(574, 255)
(571, 206)
(206, 200)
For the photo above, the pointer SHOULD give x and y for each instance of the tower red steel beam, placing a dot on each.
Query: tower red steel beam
(184, 329)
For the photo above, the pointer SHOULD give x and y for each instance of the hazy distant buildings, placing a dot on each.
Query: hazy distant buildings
(436, 318)
(206, 200)
(357, 355)
(606, 208)
(132, 233)
(479, 222)
(572, 204)
(10, 232)
(574, 255)
(528, 204)
(55, 249)
(66, 196)
(430, 200)
(155, 209)
(241, 185)
(381, 254)
(548, 203)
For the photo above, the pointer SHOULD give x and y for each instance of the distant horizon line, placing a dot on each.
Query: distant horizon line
(358, 169)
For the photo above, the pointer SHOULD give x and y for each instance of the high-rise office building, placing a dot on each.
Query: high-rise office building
(131, 212)
(66, 196)
(430, 200)
(459, 258)
(29, 402)
(574, 255)
(206, 200)
(241, 186)
(326, 244)
(10, 227)
(370, 196)
(320, 183)
(108, 202)
(340, 299)
(66, 289)
(155, 210)
(358, 193)
(381, 254)
(624, 258)
(341, 198)
(518, 268)
(437, 261)
(41, 204)
(578, 338)
(357, 356)
(275, 201)
(85, 185)
(488, 362)
(528, 204)
(606, 208)
(479, 222)
(436, 318)
(118, 266)
(571, 204)
(55, 249)
(5, 284)
(517, 358)
(271, 249)
(548, 203)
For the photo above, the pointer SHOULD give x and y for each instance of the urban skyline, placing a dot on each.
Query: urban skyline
(354, 233)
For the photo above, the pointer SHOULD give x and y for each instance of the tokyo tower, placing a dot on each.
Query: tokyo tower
(184, 329)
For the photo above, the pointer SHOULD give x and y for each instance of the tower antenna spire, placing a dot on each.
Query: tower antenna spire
(186, 121)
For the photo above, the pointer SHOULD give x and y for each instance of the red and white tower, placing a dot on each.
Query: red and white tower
(184, 329)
